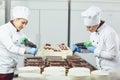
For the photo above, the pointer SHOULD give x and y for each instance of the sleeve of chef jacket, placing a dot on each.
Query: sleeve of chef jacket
(110, 47)
(6, 40)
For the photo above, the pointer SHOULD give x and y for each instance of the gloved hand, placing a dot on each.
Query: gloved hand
(81, 45)
(26, 42)
(29, 44)
(75, 48)
(90, 48)
(22, 40)
(32, 51)
(88, 43)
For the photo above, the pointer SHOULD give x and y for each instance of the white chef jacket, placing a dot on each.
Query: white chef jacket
(107, 45)
(10, 49)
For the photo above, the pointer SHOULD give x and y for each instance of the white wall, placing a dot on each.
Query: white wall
(53, 26)
(49, 18)
(2, 13)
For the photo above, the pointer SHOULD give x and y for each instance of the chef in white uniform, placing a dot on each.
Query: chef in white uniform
(103, 37)
(10, 46)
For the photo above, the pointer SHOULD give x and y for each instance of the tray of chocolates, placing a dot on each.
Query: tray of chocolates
(69, 62)
(74, 61)
(55, 61)
(34, 61)
(53, 58)
(63, 47)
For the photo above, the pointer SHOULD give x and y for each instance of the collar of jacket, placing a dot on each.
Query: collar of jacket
(100, 28)
(11, 26)
(14, 25)
(101, 23)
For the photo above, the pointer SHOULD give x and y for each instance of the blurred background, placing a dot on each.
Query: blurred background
(59, 21)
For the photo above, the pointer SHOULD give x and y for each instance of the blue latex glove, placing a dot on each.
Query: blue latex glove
(75, 48)
(32, 51)
(90, 48)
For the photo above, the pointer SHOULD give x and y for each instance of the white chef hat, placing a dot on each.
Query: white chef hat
(91, 16)
(20, 12)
